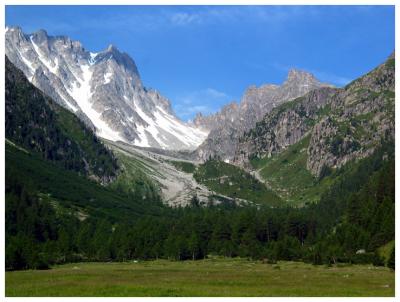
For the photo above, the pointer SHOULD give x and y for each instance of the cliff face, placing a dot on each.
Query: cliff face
(283, 126)
(344, 124)
(235, 119)
(361, 115)
(103, 89)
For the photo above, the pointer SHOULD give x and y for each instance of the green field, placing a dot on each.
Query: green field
(211, 277)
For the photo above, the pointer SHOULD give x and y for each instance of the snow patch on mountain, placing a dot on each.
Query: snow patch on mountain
(43, 59)
(80, 81)
(82, 95)
(188, 135)
(92, 59)
(28, 64)
(107, 77)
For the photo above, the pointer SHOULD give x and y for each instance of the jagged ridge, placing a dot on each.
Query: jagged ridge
(344, 124)
(104, 89)
(235, 119)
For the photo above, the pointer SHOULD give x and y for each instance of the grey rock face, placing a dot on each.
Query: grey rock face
(361, 116)
(104, 89)
(234, 119)
(343, 124)
(285, 125)
(206, 122)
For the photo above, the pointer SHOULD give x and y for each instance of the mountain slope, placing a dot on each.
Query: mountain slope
(235, 119)
(335, 126)
(53, 166)
(286, 174)
(236, 183)
(49, 151)
(103, 89)
(176, 187)
(69, 190)
(179, 180)
(36, 123)
(285, 125)
(361, 116)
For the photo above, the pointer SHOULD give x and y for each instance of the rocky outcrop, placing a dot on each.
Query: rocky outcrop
(235, 119)
(104, 89)
(343, 124)
(283, 126)
(361, 116)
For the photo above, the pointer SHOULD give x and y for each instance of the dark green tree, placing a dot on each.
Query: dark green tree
(392, 260)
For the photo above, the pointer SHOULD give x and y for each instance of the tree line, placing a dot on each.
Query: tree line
(353, 219)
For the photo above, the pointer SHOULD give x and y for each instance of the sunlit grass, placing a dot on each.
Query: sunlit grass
(211, 277)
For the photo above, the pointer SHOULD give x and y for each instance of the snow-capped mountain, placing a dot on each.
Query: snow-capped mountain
(104, 89)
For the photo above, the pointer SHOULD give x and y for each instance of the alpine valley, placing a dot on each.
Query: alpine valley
(100, 168)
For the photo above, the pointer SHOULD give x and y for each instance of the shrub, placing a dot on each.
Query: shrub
(392, 260)
(377, 260)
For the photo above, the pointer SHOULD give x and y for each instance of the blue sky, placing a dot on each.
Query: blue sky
(202, 57)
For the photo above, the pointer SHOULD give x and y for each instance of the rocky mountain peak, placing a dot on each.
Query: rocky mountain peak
(41, 34)
(235, 119)
(13, 29)
(104, 89)
(112, 53)
(337, 125)
(230, 107)
(15, 32)
(269, 87)
(112, 48)
(198, 115)
(297, 76)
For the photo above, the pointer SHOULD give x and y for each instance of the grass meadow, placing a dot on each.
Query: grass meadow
(210, 277)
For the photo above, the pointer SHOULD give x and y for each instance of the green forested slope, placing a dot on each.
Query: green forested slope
(356, 213)
(37, 123)
(47, 206)
(56, 171)
(56, 214)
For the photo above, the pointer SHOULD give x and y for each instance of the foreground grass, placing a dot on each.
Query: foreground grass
(211, 277)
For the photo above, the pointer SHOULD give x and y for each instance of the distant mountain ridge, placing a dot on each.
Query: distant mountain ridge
(344, 124)
(104, 89)
(227, 125)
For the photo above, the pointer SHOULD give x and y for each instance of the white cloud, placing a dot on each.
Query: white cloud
(206, 101)
(161, 17)
(184, 18)
(187, 112)
(215, 93)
